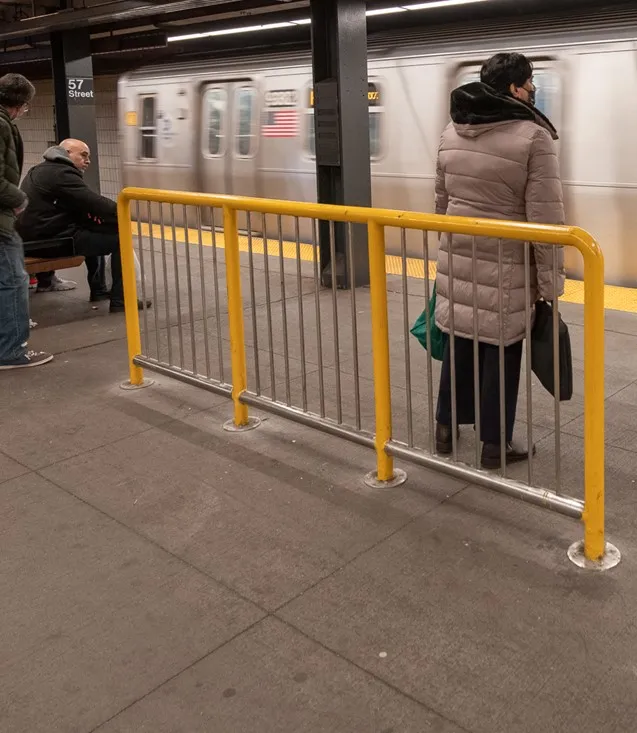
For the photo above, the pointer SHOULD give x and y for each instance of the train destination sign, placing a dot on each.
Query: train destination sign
(281, 98)
(373, 96)
(80, 90)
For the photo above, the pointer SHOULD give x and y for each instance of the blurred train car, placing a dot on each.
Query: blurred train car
(245, 126)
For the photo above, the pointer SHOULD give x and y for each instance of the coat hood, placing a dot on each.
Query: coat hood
(56, 154)
(477, 108)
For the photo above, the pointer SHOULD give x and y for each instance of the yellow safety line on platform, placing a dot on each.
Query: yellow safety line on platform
(615, 298)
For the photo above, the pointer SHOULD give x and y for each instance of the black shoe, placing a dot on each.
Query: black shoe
(120, 308)
(491, 455)
(100, 295)
(444, 441)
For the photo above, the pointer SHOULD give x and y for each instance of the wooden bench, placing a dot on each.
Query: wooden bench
(33, 265)
(54, 254)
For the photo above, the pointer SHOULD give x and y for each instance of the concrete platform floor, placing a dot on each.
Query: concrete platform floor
(159, 574)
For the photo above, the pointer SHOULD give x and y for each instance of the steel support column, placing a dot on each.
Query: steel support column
(341, 119)
(75, 95)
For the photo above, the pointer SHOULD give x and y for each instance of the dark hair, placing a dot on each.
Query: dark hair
(504, 69)
(15, 90)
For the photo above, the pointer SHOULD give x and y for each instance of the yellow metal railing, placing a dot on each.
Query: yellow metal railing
(376, 220)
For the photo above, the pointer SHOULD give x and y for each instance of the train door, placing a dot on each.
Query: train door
(229, 138)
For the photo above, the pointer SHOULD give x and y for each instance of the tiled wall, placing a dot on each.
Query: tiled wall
(38, 131)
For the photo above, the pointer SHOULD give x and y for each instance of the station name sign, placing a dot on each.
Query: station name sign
(79, 90)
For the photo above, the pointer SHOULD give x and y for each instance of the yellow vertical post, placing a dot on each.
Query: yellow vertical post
(380, 345)
(133, 334)
(594, 541)
(235, 315)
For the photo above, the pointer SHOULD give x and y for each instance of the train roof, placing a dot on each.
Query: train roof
(572, 28)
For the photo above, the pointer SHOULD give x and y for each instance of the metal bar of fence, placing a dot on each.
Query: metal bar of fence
(299, 289)
(194, 380)
(360, 437)
(337, 350)
(162, 228)
(352, 287)
(180, 328)
(556, 376)
(204, 304)
(133, 335)
(501, 364)
(153, 273)
(215, 273)
(494, 228)
(452, 353)
(284, 314)
(529, 363)
(540, 497)
(140, 247)
(235, 315)
(408, 395)
(317, 303)
(191, 304)
(380, 350)
(253, 304)
(430, 384)
(477, 389)
(268, 305)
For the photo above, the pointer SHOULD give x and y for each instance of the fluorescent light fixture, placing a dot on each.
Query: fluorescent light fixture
(307, 21)
(386, 11)
(440, 4)
(230, 31)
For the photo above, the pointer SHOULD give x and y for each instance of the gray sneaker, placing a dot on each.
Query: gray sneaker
(57, 286)
(29, 359)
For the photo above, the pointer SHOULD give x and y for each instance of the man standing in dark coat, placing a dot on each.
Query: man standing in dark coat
(15, 94)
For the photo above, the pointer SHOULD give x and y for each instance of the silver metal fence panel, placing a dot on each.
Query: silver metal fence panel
(204, 304)
(253, 304)
(352, 285)
(284, 314)
(299, 288)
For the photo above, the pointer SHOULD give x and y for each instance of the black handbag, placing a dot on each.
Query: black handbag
(542, 353)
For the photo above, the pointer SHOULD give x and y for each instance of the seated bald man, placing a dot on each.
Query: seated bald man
(60, 204)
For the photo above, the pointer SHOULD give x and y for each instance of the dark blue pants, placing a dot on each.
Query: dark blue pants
(489, 365)
(14, 299)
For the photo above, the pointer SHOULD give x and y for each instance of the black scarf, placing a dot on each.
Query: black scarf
(479, 104)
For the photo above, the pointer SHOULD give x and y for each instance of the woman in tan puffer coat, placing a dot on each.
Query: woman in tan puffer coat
(497, 159)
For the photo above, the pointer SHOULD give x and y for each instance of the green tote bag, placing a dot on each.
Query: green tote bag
(419, 330)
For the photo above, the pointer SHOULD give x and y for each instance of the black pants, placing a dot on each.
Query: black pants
(94, 273)
(96, 244)
(489, 366)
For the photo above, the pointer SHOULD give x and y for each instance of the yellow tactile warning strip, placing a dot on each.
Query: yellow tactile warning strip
(616, 298)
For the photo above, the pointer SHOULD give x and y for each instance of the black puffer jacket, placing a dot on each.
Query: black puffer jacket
(11, 157)
(60, 202)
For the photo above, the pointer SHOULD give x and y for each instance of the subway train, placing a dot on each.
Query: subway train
(245, 125)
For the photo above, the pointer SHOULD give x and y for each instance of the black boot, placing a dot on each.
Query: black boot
(491, 455)
(444, 441)
(119, 307)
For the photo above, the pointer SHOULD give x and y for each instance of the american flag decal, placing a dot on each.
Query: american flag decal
(280, 123)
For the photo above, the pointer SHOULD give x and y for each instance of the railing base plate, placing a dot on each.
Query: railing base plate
(230, 427)
(611, 558)
(143, 385)
(398, 479)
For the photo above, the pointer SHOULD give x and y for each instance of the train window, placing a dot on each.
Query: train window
(546, 86)
(376, 110)
(245, 136)
(148, 128)
(216, 100)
